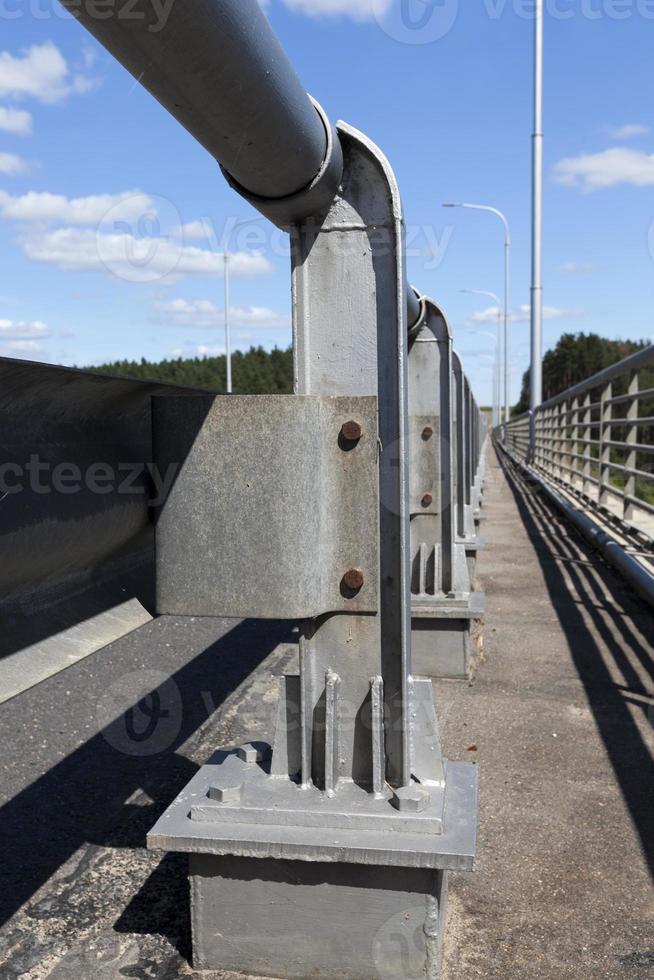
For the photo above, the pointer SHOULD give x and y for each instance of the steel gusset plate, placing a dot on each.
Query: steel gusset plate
(271, 505)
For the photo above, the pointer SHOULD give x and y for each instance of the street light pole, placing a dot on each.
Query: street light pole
(497, 390)
(228, 326)
(507, 256)
(228, 334)
(536, 372)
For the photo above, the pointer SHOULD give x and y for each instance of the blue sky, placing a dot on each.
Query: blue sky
(83, 147)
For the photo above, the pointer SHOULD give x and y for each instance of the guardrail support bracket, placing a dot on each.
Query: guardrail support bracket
(309, 855)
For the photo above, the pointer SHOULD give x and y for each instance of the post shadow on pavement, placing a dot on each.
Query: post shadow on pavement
(161, 906)
(82, 798)
(627, 751)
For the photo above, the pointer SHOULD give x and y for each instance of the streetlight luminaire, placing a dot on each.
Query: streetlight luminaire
(507, 251)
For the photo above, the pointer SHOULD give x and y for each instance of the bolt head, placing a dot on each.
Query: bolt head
(226, 794)
(250, 753)
(410, 799)
(351, 430)
(353, 579)
(427, 432)
(427, 499)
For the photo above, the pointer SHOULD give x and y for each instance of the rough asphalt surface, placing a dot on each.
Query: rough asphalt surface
(556, 716)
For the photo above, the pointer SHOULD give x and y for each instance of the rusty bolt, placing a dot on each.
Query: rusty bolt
(427, 432)
(427, 499)
(351, 430)
(353, 579)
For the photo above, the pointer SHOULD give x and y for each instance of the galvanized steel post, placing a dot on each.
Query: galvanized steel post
(310, 520)
(356, 777)
(443, 602)
(467, 528)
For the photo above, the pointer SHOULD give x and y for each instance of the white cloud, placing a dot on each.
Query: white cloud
(618, 165)
(11, 165)
(196, 230)
(577, 268)
(258, 316)
(24, 347)
(16, 340)
(523, 314)
(46, 207)
(40, 72)
(98, 233)
(89, 56)
(204, 313)
(360, 10)
(626, 132)
(198, 350)
(145, 259)
(16, 121)
(22, 330)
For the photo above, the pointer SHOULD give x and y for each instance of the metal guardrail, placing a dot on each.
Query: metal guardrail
(77, 486)
(595, 443)
(352, 506)
(597, 438)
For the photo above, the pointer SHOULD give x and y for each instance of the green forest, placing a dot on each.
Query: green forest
(258, 372)
(254, 372)
(575, 358)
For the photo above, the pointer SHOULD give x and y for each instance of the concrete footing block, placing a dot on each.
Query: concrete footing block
(441, 630)
(282, 918)
(441, 647)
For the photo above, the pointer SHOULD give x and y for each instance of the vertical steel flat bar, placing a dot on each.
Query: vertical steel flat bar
(574, 460)
(377, 725)
(539, 423)
(459, 435)
(632, 439)
(606, 416)
(560, 439)
(469, 476)
(446, 470)
(588, 417)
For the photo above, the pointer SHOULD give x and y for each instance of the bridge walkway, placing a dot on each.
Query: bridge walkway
(559, 717)
(556, 716)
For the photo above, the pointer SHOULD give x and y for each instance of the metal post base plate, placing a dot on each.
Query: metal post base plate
(280, 918)
(339, 830)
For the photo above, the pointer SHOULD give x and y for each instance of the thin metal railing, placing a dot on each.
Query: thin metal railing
(597, 440)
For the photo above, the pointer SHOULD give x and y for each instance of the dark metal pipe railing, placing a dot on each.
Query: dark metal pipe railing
(219, 69)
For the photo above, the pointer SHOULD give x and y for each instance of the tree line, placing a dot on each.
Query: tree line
(574, 359)
(254, 372)
(258, 372)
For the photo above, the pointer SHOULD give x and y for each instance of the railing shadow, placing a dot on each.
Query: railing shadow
(626, 631)
(84, 797)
